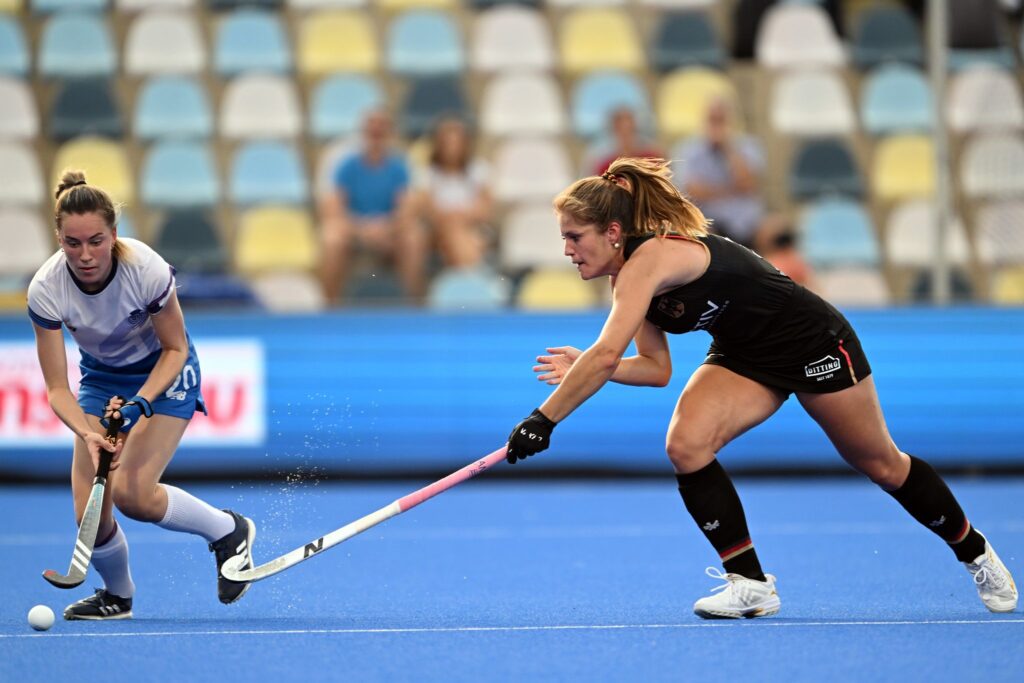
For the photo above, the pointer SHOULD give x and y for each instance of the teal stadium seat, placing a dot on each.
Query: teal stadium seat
(173, 106)
(179, 174)
(18, 116)
(268, 172)
(76, 45)
(822, 167)
(886, 33)
(429, 98)
(686, 39)
(45, 6)
(598, 94)
(85, 106)
(251, 40)
(836, 231)
(13, 48)
(896, 99)
(339, 104)
(424, 43)
(227, 5)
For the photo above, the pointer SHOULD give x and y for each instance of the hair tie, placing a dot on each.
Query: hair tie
(610, 177)
(77, 182)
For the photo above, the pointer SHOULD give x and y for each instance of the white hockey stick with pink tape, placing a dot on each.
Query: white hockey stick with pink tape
(232, 570)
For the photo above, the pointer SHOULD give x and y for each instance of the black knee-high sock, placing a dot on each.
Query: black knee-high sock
(714, 504)
(928, 500)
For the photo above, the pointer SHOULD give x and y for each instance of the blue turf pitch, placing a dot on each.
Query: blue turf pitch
(499, 581)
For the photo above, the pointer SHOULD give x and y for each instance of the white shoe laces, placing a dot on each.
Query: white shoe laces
(729, 579)
(989, 575)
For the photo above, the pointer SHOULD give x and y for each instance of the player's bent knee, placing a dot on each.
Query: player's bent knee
(690, 451)
(135, 501)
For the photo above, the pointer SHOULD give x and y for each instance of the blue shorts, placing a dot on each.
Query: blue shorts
(99, 382)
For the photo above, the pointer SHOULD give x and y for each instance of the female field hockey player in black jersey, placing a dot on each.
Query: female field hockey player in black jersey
(771, 338)
(117, 298)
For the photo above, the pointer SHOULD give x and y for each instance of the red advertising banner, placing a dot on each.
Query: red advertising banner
(234, 380)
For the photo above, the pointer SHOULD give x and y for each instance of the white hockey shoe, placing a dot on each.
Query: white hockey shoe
(738, 598)
(995, 585)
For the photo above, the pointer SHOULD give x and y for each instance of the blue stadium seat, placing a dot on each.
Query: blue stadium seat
(268, 172)
(836, 231)
(822, 167)
(173, 106)
(429, 98)
(13, 49)
(886, 33)
(44, 6)
(468, 289)
(599, 94)
(424, 43)
(76, 45)
(251, 40)
(686, 39)
(85, 106)
(896, 99)
(339, 104)
(179, 174)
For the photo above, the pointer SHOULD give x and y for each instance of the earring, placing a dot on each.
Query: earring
(616, 245)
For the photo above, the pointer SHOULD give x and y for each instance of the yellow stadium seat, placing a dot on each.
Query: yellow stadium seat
(903, 168)
(684, 95)
(1008, 287)
(555, 289)
(602, 38)
(275, 238)
(333, 41)
(11, 6)
(104, 163)
(401, 5)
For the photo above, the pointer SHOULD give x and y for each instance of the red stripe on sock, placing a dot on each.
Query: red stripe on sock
(735, 550)
(963, 532)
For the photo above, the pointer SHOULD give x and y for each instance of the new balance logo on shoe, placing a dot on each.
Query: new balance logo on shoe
(939, 522)
(711, 526)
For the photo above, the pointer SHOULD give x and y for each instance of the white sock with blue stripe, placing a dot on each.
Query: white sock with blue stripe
(187, 513)
(111, 561)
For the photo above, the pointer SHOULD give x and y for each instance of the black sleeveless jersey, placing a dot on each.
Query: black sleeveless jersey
(761, 321)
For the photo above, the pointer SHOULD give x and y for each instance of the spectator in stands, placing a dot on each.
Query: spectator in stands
(777, 244)
(371, 209)
(451, 193)
(624, 140)
(721, 173)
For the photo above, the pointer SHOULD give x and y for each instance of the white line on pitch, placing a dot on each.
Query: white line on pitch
(511, 629)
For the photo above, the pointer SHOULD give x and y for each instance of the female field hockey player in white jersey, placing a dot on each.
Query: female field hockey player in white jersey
(116, 296)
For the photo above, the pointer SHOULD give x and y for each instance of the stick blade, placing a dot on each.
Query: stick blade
(60, 581)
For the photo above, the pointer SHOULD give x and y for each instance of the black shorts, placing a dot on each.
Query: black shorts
(821, 354)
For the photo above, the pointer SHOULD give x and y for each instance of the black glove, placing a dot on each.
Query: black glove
(530, 436)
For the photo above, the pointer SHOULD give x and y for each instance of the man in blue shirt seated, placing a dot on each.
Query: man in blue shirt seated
(370, 210)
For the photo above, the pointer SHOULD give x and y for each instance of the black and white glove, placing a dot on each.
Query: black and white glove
(530, 436)
(130, 410)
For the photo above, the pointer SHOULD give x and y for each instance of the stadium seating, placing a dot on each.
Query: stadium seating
(273, 239)
(823, 167)
(530, 169)
(903, 167)
(599, 38)
(104, 162)
(429, 98)
(14, 58)
(530, 237)
(836, 231)
(164, 42)
(886, 33)
(812, 103)
(522, 104)
(548, 289)
(993, 165)
(75, 45)
(853, 287)
(178, 174)
(250, 40)
(798, 35)
(424, 43)
(984, 97)
(25, 228)
(339, 104)
(267, 172)
(172, 106)
(18, 116)
(683, 97)
(260, 105)
(896, 99)
(596, 95)
(1000, 237)
(686, 39)
(910, 236)
(188, 240)
(510, 37)
(468, 289)
(333, 41)
(21, 180)
(85, 106)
